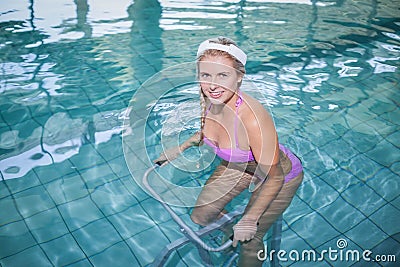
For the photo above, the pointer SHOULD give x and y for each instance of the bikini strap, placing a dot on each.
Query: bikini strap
(237, 104)
(208, 109)
(239, 101)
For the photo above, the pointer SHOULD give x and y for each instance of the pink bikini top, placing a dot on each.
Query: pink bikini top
(231, 154)
(238, 155)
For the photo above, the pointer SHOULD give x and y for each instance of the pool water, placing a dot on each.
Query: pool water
(328, 71)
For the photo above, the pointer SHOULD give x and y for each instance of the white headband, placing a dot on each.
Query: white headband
(230, 49)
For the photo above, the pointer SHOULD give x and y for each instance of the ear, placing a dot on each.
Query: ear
(240, 79)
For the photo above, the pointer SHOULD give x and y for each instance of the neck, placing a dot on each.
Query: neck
(219, 109)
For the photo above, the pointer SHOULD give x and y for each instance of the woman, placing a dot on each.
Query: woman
(240, 131)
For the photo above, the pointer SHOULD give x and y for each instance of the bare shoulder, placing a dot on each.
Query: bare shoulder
(254, 114)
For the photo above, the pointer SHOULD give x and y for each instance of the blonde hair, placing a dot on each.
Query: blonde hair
(214, 53)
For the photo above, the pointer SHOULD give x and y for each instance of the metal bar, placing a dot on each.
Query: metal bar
(162, 258)
(190, 234)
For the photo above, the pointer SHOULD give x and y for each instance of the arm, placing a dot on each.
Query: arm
(263, 141)
(264, 145)
(246, 228)
(194, 140)
(172, 153)
(267, 193)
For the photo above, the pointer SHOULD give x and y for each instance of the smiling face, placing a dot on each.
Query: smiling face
(218, 78)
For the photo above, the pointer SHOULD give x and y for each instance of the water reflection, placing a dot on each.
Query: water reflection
(145, 41)
(82, 10)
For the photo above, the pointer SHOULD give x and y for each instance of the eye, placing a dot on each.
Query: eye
(223, 75)
(204, 75)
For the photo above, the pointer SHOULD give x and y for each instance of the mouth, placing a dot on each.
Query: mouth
(216, 94)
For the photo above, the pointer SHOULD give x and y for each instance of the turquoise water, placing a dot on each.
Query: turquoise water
(327, 70)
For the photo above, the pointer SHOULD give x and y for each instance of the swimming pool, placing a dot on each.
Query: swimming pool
(328, 71)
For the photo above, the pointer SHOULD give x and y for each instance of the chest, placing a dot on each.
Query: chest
(225, 132)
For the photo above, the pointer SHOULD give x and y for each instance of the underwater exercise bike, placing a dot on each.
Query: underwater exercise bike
(195, 237)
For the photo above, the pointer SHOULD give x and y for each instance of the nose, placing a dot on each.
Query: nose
(213, 84)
